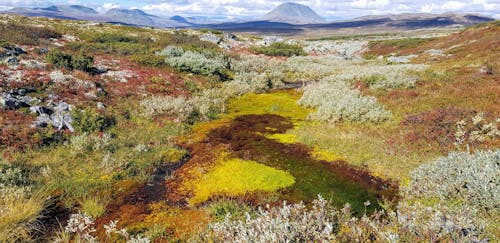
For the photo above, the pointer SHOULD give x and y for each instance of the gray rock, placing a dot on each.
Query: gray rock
(13, 61)
(230, 37)
(61, 118)
(400, 59)
(58, 116)
(43, 120)
(12, 101)
(9, 54)
(101, 106)
(269, 40)
(40, 110)
(209, 37)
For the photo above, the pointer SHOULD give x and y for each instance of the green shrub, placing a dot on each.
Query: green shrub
(148, 59)
(59, 59)
(82, 62)
(281, 49)
(220, 209)
(64, 60)
(89, 120)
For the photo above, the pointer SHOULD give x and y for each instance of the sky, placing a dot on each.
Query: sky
(248, 9)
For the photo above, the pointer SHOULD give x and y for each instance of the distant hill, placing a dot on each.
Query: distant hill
(293, 13)
(123, 16)
(425, 20)
(385, 22)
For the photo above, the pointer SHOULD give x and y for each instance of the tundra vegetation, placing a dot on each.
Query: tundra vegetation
(122, 134)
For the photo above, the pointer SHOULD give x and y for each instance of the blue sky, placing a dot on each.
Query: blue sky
(329, 9)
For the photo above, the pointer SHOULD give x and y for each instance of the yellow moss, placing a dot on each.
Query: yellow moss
(201, 129)
(321, 154)
(286, 138)
(236, 177)
(282, 103)
(161, 214)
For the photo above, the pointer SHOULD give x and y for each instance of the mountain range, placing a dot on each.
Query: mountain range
(286, 17)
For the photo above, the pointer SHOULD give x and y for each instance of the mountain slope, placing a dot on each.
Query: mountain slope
(293, 13)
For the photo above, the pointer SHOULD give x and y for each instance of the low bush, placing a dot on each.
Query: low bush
(220, 209)
(179, 108)
(82, 62)
(335, 101)
(59, 59)
(324, 223)
(206, 63)
(64, 60)
(148, 59)
(280, 49)
(89, 120)
(471, 179)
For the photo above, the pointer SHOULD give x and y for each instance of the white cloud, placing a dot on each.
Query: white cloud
(427, 8)
(453, 6)
(107, 6)
(3, 8)
(370, 3)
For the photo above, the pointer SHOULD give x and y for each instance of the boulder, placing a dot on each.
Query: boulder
(10, 101)
(209, 37)
(230, 37)
(61, 118)
(101, 106)
(9, 54)
(400, 59)
(12, 61)
(58, 116)
(40, 110)
(43, 120)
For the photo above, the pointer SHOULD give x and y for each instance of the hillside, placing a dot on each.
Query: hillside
(115, 133)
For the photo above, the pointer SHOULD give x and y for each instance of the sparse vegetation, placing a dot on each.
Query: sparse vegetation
(26, 35)
(280, 49)
(163, 137)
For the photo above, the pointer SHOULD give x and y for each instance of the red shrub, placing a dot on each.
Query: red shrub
(434, 129)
